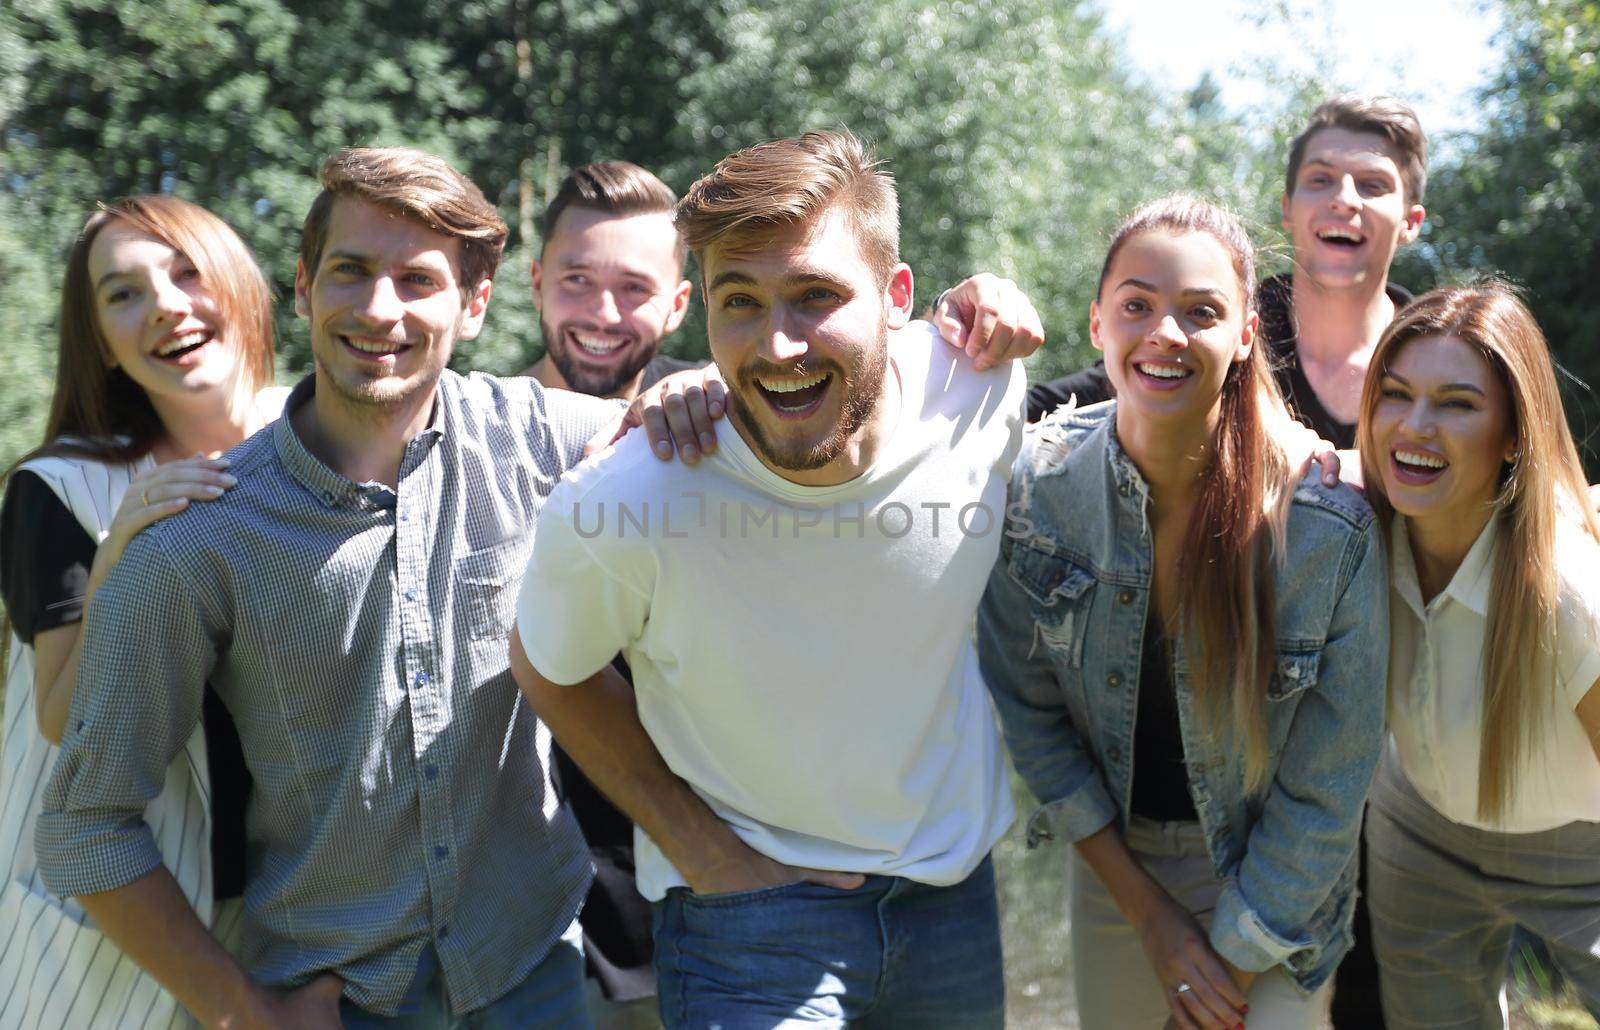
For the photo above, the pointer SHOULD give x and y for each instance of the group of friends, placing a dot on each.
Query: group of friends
(408, 698)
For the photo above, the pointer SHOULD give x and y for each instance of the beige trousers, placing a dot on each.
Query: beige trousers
(1116, 988)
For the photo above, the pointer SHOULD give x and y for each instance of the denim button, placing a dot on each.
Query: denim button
(440, 851)
(1126, 597)
(1114, 680)
(1114, 753)
(1124, 489)
(444, 931)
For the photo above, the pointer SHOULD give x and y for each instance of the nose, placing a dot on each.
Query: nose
(1347, 195)
(172, 302)
(382, 304)
(607, 312)
(782, 342)
(1167, 334)
(1419, 419)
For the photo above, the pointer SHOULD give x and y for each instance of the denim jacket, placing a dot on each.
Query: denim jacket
(1060, 632)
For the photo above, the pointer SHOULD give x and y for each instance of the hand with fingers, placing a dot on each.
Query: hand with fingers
(742, 868)
(155, 494)
(679, 414)
(990, 318)
(1198, 983)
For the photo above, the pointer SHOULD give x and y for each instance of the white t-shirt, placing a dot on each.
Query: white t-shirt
(803, 656)
(1436, 687)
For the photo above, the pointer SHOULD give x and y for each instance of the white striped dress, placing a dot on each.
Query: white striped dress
(56, 969)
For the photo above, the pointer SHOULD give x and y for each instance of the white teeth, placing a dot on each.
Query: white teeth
(179, 343)
(1426, 461)
(1164, 371)
(790, 385)
(372, 346)
(598, 344)
(1339, 233)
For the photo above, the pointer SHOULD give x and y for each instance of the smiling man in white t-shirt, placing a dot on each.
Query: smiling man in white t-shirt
(808, 749)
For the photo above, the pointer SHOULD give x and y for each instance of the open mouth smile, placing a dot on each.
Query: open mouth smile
(179, 346)
(794, 398)
(1162, 375)
(597, 346)
(1341, 236)
(368, 349)
(1416, 467)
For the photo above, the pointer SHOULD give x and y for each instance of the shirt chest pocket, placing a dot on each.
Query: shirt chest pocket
(1060, 592)
(486, 584)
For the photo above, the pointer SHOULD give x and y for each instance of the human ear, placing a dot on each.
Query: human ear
(302, 289)
(680, 305)
(1247, 336)
(1094, 325)
(897, 296)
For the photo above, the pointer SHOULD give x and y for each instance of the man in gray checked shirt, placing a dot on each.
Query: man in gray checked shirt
(349, 600)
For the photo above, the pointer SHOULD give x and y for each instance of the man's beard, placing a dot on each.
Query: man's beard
(862, 386)
(606, 382)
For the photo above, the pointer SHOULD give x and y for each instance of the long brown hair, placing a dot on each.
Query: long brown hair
(1541, 490)
(1226, 592)
(98, 412)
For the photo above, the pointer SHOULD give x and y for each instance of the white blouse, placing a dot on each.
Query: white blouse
(1436, 687)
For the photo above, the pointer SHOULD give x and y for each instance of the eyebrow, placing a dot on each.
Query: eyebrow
(1150, 288)
(802, 278)
(1358, 167)
(115, 273)
(581, 265)
(1446, 388)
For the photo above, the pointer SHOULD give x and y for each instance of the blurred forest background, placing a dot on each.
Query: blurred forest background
(1017, 129)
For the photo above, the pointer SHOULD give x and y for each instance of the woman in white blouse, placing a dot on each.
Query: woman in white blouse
(1486, 811)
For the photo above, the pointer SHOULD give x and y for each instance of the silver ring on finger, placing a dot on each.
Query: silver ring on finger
(1183, 988)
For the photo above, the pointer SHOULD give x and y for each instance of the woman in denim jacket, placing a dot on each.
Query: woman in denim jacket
(1187, 650)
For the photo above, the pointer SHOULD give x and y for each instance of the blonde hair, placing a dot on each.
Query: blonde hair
(98, 412)
(1542, 488)
(1226, 588)
(774, 186)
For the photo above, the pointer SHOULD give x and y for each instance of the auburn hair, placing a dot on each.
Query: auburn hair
(98, 412)
(1542, 491)
(1227, 606)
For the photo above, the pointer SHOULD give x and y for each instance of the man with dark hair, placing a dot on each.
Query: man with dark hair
(609, 282)
(1352, 198)
(349, 601)
(815, 772)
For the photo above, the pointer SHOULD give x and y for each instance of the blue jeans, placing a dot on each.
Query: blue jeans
(550, 997)
(891, 953)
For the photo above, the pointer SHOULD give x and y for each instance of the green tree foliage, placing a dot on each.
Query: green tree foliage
(1523, 197)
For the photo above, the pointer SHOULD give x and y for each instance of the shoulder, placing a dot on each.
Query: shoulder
(625, 473)
(1578, 564)
(1340, 505)
(944, 379)
(663, 365)
(1067, 433)
(518, 408)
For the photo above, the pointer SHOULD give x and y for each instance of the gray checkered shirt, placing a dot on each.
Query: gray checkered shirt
(358, 637)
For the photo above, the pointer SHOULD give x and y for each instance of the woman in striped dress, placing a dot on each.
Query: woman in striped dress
(164, 362)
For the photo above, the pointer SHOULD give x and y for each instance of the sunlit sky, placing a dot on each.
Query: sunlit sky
(1432, 53)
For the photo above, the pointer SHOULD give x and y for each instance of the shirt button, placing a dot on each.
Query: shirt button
(422, 679)
(431, 772)
(444, 931)
(1114, 753)
(440, 851)
(405, 516)
(1126, 597)
(1114, 680)
(411, 593)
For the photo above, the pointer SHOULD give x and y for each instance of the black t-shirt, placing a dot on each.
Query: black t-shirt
(45, 555)
(1275, 305)
(1160, 774)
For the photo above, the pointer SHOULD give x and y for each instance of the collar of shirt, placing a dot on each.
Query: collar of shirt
(1469, 586)
(333, 489)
